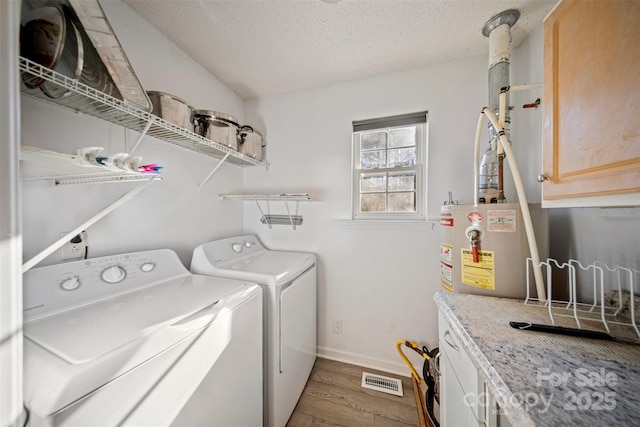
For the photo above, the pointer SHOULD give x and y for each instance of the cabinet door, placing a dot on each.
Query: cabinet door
(591, 99)
(455, 405)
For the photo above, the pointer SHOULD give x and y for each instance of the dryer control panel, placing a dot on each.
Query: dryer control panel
(238, 247)
(225, 250)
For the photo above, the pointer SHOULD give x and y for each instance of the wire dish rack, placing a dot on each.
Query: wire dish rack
(595, 296)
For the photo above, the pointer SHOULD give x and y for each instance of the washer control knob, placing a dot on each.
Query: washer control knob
(147, 267)
(70, 284)
(237, 247)
(113, 274)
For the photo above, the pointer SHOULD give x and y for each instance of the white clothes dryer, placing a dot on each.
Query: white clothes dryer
(288, 280)
(136, 339)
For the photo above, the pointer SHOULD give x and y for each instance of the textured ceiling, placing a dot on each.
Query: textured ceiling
(259, 48)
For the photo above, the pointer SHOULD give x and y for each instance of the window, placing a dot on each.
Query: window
(389, 167)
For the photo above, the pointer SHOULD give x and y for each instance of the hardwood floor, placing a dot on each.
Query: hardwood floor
(333, 396)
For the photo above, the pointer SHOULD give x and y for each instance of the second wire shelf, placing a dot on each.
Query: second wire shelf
(269, 219)
(61, 169)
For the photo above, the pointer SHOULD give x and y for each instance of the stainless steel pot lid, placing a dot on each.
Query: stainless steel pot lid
(42, 36)
(153, 93)
(208, 114)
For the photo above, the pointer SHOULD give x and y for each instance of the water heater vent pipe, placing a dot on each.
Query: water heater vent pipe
(498, 29)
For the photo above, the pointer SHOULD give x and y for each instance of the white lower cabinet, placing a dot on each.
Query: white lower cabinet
(455, 406)
(465, 399)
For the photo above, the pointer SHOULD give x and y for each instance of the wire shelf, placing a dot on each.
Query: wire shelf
(269, 219)
(281, 219)
(85, 99)
(597, 296)
(62, 169)
(266, 197)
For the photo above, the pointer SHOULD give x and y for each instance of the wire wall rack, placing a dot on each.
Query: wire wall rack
(85, 99)
(269, 219)
(62, 169)
(299, 197)
(593, 295)
(292, 220)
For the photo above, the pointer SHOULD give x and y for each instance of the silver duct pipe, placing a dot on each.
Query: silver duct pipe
(498, 29)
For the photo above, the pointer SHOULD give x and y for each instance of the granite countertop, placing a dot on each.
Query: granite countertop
(542, 379)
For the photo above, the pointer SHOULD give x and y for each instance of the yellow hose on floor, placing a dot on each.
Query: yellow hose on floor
(412, 345)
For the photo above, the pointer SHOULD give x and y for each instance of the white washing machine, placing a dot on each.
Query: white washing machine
(288, 280)
(136, 339)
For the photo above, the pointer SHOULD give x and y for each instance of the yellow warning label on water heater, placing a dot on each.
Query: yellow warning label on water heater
(480, 274)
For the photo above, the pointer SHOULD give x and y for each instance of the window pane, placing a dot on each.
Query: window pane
(373, 159)
(373, 183)
(373, 140)
(402, 202)
(403, 137)
(372, 202)
(402, 182)
(402, 157)
(388, 170)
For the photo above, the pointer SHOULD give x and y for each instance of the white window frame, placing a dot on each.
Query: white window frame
(420, 170)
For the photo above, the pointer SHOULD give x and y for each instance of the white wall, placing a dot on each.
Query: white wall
(168, 214)
(526, 124)
(378, 278)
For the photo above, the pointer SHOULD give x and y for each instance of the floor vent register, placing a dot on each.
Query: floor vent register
(383, 384)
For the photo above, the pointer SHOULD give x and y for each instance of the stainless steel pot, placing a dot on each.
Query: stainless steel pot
(250, 142)
(172, 109)
(218, 127)
(49, 37)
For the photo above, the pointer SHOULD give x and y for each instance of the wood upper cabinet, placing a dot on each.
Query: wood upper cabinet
(591, 99)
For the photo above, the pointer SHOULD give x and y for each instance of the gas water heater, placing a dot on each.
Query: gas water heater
(484, 248)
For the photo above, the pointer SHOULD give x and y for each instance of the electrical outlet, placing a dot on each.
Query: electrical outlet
(337, 325)
(76, 248)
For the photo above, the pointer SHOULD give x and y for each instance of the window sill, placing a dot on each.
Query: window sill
(377, 224)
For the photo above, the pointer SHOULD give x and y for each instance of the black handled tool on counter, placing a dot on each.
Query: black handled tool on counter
(562, 331)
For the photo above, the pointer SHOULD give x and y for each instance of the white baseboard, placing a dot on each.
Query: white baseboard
(397, 368)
